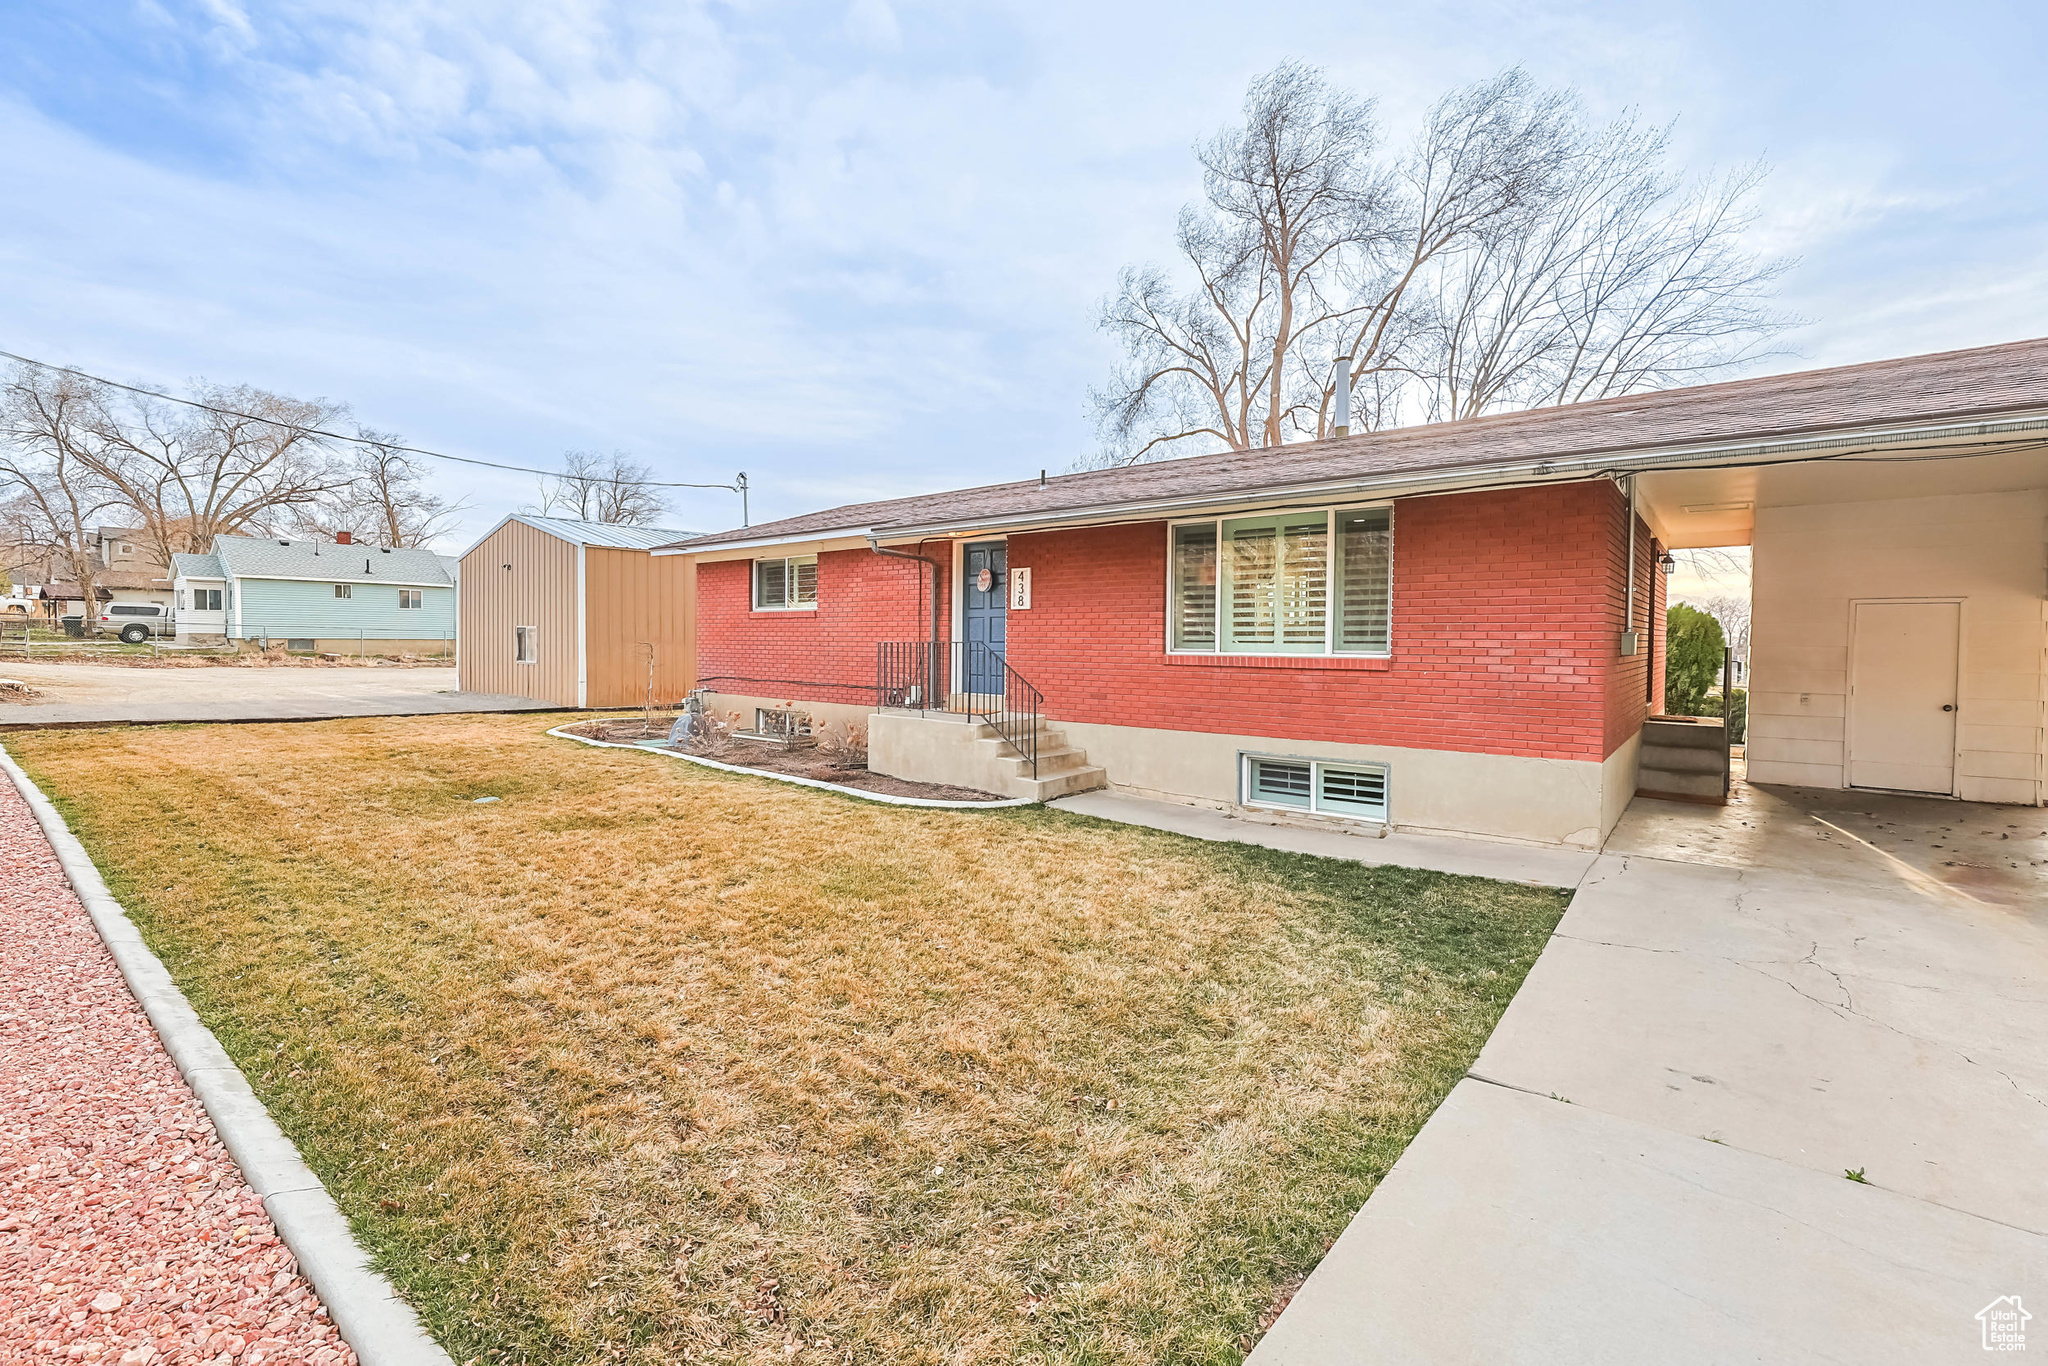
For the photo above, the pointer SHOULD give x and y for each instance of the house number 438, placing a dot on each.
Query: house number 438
(1020, 590)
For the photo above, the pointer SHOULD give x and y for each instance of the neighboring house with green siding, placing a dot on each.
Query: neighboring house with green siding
(339, 596)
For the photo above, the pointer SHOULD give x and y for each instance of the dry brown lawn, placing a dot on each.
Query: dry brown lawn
(645, 1062)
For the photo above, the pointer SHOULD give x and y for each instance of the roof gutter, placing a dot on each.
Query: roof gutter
(937, 586)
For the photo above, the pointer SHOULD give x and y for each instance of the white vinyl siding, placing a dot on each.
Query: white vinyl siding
(1264, 585)
(780, 585)
(1354, 790)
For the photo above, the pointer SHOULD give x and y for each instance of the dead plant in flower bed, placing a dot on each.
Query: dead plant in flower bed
(650, 1062)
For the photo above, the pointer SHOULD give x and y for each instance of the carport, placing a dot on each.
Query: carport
(1898, 639)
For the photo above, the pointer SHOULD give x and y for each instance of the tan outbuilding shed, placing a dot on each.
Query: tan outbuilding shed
(577, 613)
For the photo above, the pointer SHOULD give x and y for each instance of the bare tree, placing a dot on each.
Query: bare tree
(602, 488)
(1733, 614)
(1305, 251)
(50, 471)
(250, 461)
(1288, 192)
(385, 500)
(1717, 564)
(1511, 256)
(1621, 278)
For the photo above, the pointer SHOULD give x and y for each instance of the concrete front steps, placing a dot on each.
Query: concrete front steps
(965, 751)
(1062, 769)
(1683, 758)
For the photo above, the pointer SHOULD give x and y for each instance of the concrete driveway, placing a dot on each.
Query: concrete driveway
(100, 693)
(1648, 1161)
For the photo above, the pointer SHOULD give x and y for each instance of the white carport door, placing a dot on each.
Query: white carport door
(1902, 696)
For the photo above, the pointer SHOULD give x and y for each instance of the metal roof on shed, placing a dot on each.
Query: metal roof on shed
(593, 533)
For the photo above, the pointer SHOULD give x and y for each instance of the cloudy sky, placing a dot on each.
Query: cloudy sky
(855, 248)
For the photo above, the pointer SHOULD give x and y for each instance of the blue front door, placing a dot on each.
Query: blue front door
(984, 565)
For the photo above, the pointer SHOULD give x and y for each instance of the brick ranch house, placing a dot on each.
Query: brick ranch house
(1454, 627)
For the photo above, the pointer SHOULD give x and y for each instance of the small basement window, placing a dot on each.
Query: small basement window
(780, 585)
(344, 590)
(525, 644)
(409, 597)
(1358, 791)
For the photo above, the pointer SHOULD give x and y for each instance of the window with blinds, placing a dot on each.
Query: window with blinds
(786, 583)
(1194, 587)
(1365, 545)
(1329, 789)
(1302, 583)
(1280, 782)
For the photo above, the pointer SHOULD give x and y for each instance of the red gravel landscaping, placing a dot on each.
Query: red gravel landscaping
(126, 1232)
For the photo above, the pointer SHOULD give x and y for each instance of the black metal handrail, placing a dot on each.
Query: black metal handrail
(962, 678)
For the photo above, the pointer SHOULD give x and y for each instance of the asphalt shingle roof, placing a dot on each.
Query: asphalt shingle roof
(324, 561)
(1951, 385)
(197, 567)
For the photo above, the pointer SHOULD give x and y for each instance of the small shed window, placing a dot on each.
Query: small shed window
(408, 597)
(526, 645)
(786, 583)
(344, 590)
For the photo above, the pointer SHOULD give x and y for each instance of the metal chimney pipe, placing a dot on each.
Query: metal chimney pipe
(1340, 411)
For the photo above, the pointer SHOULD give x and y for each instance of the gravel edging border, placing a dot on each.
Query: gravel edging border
(562, 733)
(365, 1308)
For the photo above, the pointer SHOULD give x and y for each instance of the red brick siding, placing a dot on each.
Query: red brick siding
(1502, 630)
(1506, 610)
(827, 654)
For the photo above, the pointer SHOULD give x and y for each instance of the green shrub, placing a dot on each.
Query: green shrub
(1693, 653)
(1737, 713)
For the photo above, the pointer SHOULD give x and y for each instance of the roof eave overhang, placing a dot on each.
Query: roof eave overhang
(1421, 483)
(770, 542)
(334, 578)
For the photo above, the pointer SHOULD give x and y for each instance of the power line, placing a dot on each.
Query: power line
(739, 484)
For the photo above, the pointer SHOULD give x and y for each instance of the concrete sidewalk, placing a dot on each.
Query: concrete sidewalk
(1544, 865)
(1648, 1161)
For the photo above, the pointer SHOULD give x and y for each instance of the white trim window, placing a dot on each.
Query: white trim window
(1267, 585)
(410, 598)
(784, 585)
(344, 590)
(526, 644)
(205, 599)
(1286, 783)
